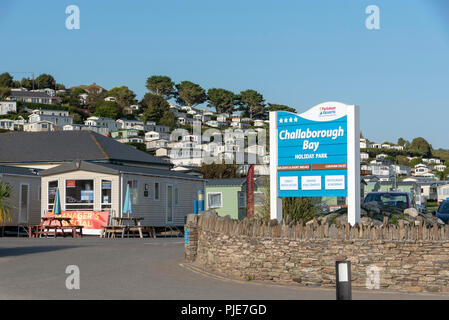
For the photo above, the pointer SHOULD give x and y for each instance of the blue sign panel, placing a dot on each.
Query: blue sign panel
(186, 236)
(312, 153)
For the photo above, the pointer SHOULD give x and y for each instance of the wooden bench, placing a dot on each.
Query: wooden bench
(77, 231)
(150, 230)
(110, 231)
(35, 231)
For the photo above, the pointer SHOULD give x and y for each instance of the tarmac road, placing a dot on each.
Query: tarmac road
(134, 269)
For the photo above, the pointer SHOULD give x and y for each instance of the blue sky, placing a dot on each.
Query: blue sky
(298, 53)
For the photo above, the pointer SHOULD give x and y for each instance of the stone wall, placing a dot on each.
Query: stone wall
(400, 258)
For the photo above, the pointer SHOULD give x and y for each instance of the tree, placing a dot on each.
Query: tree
(60, 86)
(138, 145)
(154, 107)
(94, 98)
(26, 83)
(77, 119)
(445, 173)
(421, 146)
(108, 109)
(5, 207)
(219, 171)
(161, 86)
(251, 103)
(4, 92)
(125, 97)
(415, 161)
(222, 100)
(168, 119)
(45, 81)
(6, 80)
(402, 160)
(281, 107)
(403, 142)
(190, 94)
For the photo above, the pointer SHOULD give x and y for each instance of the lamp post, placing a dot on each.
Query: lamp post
(343, 280)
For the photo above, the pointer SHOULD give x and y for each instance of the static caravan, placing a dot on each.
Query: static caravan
(162, 197)
(24, 199)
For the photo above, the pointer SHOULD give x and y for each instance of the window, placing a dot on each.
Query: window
(52, 187)
(214, 199)
(242, 202)
(79, 195)
(106, 193)
(156, 191)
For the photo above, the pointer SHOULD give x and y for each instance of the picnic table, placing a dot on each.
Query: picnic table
(52, 225)
(127, 224)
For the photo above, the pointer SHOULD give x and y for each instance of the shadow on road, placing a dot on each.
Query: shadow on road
(19, 251)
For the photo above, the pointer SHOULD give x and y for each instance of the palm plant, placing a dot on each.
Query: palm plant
(5, 208)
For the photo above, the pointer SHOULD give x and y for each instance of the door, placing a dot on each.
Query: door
(169, 218)
(24, 206)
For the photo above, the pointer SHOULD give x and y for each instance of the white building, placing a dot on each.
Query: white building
(381, 156)
(421, 170)
(401, 170)
(77, 127)
(109, 123)
(129, 124)
(39, 126)
(364, 155)
(380, 170)
(442, 192)
(7, 124)
(154, 135)
(259, 123)
(439, 167)
(59, 118)
(7, 106)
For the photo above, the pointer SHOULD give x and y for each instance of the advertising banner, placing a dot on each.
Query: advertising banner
(91, 220)
(316, 154)
(312, 153)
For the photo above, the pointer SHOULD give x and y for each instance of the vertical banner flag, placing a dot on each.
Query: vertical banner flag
(250, 192)
(315, 154)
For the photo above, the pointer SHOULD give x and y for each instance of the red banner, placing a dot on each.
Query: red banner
(250, 192)
(88, 219)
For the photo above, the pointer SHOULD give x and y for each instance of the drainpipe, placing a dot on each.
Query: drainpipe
(121, 195)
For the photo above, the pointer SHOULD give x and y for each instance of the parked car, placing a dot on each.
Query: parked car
(443, 211)
(401, 200)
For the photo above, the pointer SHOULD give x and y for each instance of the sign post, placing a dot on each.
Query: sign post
(316, 154)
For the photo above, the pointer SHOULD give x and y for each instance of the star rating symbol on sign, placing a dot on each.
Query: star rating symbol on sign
(280, 120)
(296, 119)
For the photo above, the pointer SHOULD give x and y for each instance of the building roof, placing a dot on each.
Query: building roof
(89, 87)
(66, 146)
(226, 182)
(29, 94)
(110, 168)
(18, 171)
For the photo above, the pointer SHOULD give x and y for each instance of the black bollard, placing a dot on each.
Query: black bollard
(343, 280)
